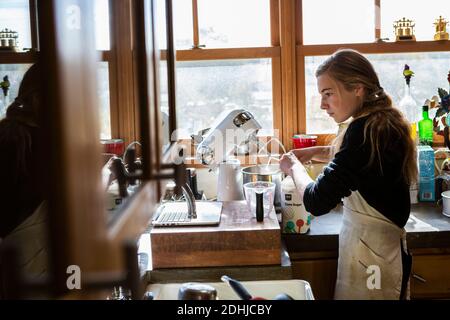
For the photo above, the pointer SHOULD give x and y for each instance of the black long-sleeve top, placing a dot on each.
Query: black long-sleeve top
(384, 189)
(20, 183)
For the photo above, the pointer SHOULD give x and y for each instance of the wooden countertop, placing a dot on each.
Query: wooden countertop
(235, 219)
(427, 227)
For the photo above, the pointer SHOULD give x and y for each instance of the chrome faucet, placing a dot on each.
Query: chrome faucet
(190, 199)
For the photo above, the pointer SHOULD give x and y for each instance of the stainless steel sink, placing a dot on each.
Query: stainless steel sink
(297, 289)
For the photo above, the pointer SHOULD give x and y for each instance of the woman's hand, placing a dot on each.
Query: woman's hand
(288, 162)
(290, 165)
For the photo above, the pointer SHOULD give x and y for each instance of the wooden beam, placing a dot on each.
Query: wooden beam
(195, 24)
(276, 70)
(377, 19)
(105, 55)
(18, 57)
(33, 25)
(275, 22)
(123, 107)
(376, 48)
(288, 74)
(301, 91)
(223, 54)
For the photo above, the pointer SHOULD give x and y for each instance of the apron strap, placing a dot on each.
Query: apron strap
(406, 268)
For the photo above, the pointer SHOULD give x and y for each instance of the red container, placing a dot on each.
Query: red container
(301, 141)
(113, 146)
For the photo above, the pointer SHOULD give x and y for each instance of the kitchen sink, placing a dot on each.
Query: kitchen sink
(297, 289)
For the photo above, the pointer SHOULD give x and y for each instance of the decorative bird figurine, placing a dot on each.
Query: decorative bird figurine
(408, 74)
(5, 85)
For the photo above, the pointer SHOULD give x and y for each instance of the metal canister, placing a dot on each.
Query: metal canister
(267, 173)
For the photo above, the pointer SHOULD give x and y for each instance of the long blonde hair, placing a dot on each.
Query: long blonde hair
(351, 69)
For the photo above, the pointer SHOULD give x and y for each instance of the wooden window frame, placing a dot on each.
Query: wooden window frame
(377, 47)
(30, 56)
(273, 52)
(109, 56)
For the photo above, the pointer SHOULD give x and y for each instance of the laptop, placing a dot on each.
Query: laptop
(175, 214)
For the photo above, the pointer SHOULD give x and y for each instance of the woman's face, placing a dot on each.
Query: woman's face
(337, 101)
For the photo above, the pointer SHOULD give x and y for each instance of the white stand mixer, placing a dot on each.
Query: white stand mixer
(231, 130)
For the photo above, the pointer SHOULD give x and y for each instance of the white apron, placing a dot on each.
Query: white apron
(369, 245)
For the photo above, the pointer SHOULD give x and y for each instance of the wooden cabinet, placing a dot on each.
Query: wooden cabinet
(430, 278)
(321, 275)
(319, 269)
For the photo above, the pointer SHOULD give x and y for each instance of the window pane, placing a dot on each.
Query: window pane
(430, 69)
(101, 12)
(206, 88)
(15, 15)
(343, 21)
(15, 74)
(183, 25)
(161, 24)
(234, 23)
(424, 14)
(104, 100)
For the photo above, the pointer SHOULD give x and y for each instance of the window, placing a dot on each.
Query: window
(104, 100)
(430, 74)
(423, 13)
(343, 21)
(101, 15)
(15, 16)
(15, 74)
(232, 70)
(183, 24)
(234, 23)
(103, 43)
(206, 88)
(340, 23)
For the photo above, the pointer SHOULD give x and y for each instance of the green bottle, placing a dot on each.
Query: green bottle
(425, 128)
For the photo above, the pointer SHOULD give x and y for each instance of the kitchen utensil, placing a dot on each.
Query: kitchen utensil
(197, 291)
(283, 296)
(267, 173)
(237, 287)
(259, 196)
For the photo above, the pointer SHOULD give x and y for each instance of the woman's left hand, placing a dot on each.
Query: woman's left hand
(288, 162)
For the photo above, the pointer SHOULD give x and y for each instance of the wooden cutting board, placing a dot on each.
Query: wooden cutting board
(239, 240)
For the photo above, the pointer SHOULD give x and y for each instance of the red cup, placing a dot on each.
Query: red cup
(113, 146)
(301, 141)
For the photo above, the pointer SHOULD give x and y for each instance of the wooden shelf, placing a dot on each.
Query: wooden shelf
(18, 57)
(376, 47)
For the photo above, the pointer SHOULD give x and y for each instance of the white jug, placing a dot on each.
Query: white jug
(229, 184)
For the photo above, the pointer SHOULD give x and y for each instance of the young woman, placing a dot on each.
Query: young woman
(23, 212)
(373, 164)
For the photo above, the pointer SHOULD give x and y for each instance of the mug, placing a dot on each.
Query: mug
(446, 203)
